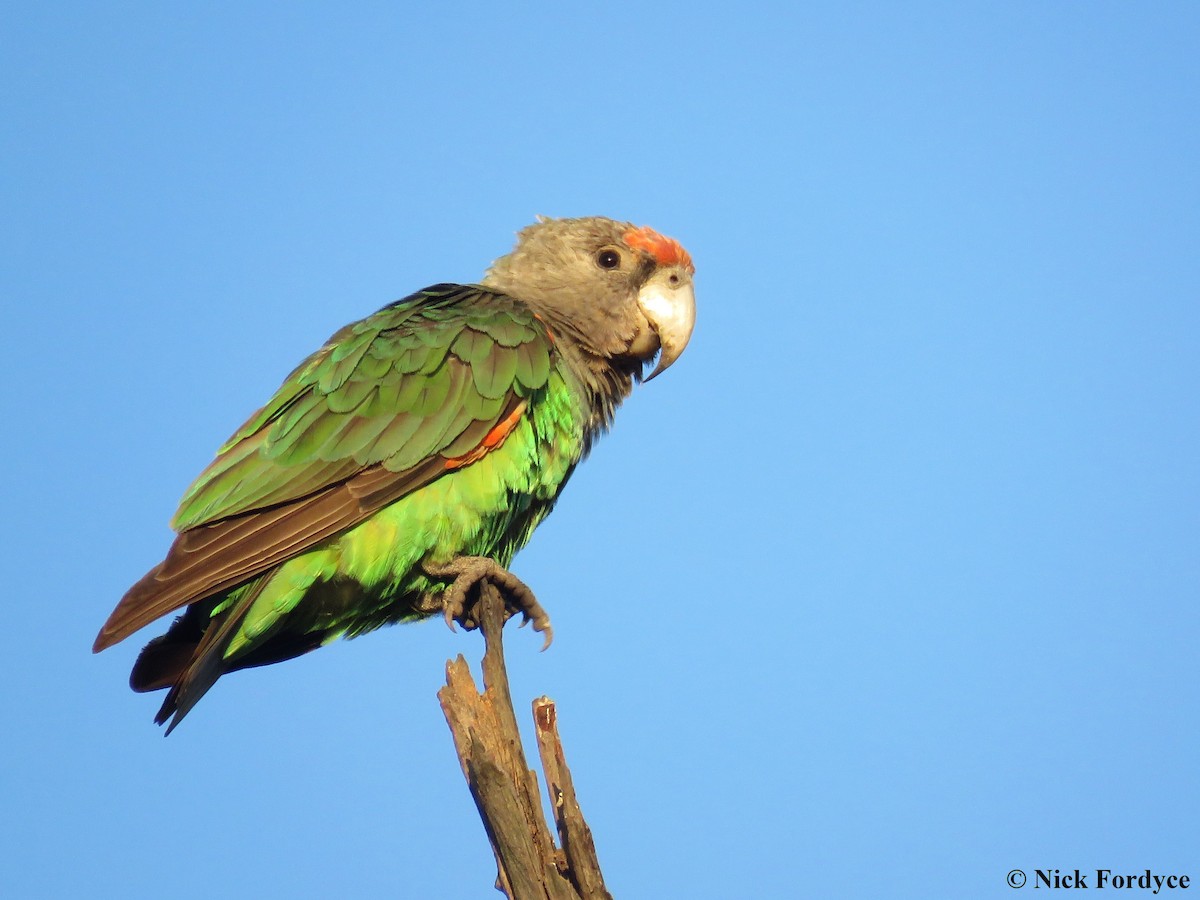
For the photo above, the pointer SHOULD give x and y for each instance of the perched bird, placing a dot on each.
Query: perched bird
(409, 458)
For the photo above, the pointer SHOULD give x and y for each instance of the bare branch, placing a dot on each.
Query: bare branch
(484, 727)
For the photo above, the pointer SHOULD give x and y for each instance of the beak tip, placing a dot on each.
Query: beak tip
(662, 364)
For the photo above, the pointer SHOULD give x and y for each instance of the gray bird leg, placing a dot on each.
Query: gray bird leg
(465, 572)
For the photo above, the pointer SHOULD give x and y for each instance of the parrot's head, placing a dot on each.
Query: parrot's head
(622, 294)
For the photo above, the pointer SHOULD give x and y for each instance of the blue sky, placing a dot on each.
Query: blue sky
(886, 588)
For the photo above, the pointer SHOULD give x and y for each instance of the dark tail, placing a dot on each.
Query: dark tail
(190, 657)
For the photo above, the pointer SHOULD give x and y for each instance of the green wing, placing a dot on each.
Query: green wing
(387, 405)
(428, 375)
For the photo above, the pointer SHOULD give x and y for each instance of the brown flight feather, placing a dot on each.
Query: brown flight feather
(223, 554)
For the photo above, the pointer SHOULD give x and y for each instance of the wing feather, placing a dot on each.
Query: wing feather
(373, 415)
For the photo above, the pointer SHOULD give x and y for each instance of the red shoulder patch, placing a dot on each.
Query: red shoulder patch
(666, 251)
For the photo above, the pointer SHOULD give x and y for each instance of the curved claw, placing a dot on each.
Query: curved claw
(465, 572)
(541, 624)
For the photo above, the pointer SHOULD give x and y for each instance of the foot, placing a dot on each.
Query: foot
(465, 572)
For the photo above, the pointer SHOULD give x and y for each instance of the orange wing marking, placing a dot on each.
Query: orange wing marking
(549, 333)
(491, 440)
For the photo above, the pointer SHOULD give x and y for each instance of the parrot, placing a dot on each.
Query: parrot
(409, 458)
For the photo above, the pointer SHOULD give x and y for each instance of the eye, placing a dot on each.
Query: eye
(608, 259)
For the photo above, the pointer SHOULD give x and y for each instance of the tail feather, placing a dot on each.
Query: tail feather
(164, 659)
(190, 657)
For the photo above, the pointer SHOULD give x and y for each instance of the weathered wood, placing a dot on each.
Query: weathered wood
(573, 830)
(505, 790)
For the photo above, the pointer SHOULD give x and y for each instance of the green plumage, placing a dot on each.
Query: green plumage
(380, 391)
(419, 385)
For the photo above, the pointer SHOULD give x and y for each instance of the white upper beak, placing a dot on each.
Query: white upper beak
(669, 303)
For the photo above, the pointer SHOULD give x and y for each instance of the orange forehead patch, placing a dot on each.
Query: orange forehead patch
(666, 251)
